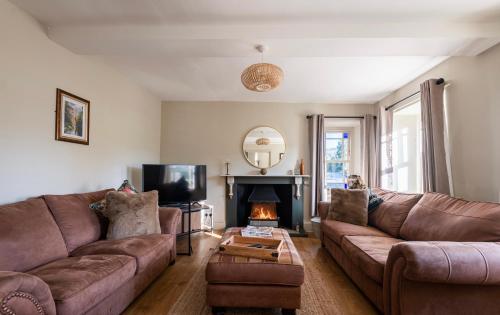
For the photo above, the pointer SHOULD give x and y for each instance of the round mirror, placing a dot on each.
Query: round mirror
(264, 147)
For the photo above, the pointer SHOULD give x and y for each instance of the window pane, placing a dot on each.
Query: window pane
(336, 174)
(337, 159)
(405, 173)
(337, 146)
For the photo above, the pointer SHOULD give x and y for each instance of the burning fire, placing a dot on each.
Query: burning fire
(264, 211)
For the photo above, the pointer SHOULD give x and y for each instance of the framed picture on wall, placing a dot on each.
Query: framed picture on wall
(72, 118)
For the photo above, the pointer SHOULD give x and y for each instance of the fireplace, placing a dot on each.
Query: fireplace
(266, 201)
(263, 200)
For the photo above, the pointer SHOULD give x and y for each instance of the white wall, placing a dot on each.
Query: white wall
(474, 117)
(212, 132)
(124, 126)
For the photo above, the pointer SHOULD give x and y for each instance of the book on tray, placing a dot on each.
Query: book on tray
(254, 231)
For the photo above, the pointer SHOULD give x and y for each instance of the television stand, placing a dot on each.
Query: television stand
(185, 207)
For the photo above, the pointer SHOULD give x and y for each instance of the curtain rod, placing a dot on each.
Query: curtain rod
(346, 117)
(438, 82)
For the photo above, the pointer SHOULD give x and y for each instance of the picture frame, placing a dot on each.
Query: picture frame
(72, 118)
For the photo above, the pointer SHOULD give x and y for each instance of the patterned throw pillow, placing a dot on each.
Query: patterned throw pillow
(126, 187)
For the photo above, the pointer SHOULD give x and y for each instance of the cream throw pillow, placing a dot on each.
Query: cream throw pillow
(131, 214)
(350, 206)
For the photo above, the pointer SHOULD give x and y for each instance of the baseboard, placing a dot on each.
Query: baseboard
(308, 226)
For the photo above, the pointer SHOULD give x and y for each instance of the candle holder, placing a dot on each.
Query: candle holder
(227, 165)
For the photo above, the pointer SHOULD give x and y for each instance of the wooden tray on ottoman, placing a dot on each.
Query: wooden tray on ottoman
(255, 247)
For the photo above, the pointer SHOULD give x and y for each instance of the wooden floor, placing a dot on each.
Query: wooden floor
(161, 295)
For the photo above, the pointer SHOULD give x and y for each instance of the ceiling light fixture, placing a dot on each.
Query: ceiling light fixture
(262, 141)
(262, 77)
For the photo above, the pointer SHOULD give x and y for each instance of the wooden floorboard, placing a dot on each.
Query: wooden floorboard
(335, 287)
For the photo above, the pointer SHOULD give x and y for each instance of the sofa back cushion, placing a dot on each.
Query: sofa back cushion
(29, 237)
(78, 223)
(438, 217)
(392, 212)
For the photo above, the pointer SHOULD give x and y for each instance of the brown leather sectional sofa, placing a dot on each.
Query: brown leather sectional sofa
(430, 254)
(54, 258)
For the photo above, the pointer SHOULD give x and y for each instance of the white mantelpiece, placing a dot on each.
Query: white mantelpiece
(299, 180)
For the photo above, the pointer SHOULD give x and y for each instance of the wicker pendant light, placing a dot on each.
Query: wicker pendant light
(261, 77)
(262, 140)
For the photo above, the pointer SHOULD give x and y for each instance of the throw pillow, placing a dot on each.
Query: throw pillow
(373, 202)
(350, 206)
(127, 187)
(100, 205)
(132, 214)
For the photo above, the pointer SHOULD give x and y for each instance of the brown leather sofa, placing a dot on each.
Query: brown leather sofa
(430, 254)
(53, 258)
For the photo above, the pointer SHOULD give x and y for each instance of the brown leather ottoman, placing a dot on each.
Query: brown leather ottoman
(235, 281)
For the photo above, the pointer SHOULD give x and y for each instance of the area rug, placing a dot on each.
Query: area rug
(326, 290)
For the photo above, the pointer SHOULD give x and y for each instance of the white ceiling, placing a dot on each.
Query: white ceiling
(332, 51)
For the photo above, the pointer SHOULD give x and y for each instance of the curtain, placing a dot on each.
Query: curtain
(317, 154)
(434, 166)
(384, 127)
(369, 158)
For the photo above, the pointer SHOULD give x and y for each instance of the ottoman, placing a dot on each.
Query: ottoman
(235, 281)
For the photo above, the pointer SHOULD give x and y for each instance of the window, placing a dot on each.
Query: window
(406, 172)
(337, 158)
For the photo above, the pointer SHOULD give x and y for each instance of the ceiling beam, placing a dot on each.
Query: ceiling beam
(295, 31)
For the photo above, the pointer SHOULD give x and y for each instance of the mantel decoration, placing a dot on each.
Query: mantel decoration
(72, 118)
(262, 77)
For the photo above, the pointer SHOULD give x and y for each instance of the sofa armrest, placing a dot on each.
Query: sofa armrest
(22, 293)
(169, 219)
(442, 277)
(450, 262)
(323, 207)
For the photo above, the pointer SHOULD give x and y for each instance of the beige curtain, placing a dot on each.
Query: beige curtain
(317, 154)
(434, 167)
(369, 151)
(384, 128)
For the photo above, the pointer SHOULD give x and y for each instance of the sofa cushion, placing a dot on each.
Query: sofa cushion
(78, 283)
(29, 237)
(390, 214)
(145, 248)
(78, 223)
(369, 253)
(336, 230)
(438, 217)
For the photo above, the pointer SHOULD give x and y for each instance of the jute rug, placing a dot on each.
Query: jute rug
(326, 290)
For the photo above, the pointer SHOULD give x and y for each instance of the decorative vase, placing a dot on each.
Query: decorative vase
(302, 167)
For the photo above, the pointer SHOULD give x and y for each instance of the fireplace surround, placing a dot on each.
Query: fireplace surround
(273, 200)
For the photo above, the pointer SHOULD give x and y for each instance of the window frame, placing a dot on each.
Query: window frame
(350, 132)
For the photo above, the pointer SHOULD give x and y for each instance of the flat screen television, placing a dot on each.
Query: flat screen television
(176, 183)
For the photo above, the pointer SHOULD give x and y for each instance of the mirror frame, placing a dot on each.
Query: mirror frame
(243, 147)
